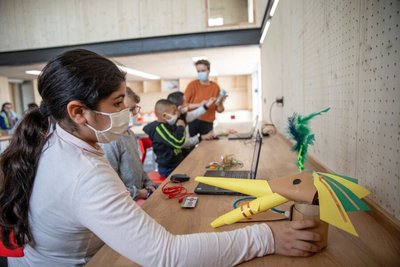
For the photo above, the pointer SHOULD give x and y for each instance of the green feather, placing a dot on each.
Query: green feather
(300, 132)
(312, 115)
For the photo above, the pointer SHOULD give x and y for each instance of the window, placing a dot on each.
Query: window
(230, 12)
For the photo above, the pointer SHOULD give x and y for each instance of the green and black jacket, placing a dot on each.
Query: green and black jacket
(167, 142)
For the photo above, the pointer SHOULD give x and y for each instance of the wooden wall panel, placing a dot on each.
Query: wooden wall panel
(53, 23)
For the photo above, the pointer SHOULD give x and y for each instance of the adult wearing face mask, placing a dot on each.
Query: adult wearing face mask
(201, 90)
(122, 154)
(168, 136)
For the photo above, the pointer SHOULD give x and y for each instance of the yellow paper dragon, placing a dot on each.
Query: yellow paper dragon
(335, 194)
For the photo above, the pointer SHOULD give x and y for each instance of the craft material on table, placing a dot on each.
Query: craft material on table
(227, 162)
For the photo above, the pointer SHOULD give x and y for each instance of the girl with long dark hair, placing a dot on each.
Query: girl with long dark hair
(61, 199)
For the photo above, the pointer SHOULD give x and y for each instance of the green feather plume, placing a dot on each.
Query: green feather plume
(300, 132)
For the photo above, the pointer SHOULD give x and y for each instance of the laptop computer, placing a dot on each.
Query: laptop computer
(246, 135)
(250, 174)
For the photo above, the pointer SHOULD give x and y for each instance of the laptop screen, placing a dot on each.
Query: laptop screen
(256, 155)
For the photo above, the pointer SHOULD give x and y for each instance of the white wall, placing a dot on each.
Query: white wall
(256, 95)
(36, 95)
(51, 23)
(344, 55)
(27, 93)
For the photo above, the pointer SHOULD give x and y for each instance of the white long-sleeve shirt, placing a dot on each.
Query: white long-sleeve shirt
(78, 200)
(191, 141)
(194, 114)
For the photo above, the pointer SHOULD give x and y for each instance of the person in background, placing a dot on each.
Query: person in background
(62, 200)
(9, 118)
(188, 116)
(123, 155)
(32, 105)
(168, 136)
(200, 90)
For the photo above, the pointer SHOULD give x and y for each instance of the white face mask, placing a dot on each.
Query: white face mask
(172, 119)
(133, 119)
(119, 123)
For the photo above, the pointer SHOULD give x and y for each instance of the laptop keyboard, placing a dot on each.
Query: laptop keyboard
(228, 174)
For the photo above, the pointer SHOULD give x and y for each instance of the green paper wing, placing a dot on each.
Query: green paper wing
(348, 199)
(358, 190)
(350, 179)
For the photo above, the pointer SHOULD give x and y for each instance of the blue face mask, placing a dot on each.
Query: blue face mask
(202, 76)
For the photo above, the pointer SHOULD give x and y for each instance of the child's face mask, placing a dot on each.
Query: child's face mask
(172, 118)
(119, 123)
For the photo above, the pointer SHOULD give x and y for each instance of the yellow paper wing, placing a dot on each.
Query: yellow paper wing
(256, 206)
(358, 190)
(249, 187)
(331, 209)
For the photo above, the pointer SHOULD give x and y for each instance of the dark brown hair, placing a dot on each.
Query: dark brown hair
(162, 105)
(177, 98)
(74, 75)
(204, 62)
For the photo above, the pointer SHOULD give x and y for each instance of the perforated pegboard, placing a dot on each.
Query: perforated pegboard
(331, 80)
(378, 138)
(344, 55)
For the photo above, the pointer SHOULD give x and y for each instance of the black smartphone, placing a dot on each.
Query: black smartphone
(179, 177)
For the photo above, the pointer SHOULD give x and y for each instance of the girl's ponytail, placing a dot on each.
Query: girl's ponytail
(18, 164)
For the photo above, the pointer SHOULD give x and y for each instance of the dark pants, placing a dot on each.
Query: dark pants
(186, 151)
(3, 262)
(165, 171)
(201, 127)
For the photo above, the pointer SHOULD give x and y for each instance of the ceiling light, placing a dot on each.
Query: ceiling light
(33, 72)
(139, 73)
(264, 33)
(15, 81)
(274, 5)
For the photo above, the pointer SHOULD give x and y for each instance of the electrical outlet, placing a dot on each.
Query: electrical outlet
(279, 100)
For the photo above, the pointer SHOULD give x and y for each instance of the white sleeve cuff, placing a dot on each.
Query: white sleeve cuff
(270, 240)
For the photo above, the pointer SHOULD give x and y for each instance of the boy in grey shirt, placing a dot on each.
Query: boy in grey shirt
(123, 156)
